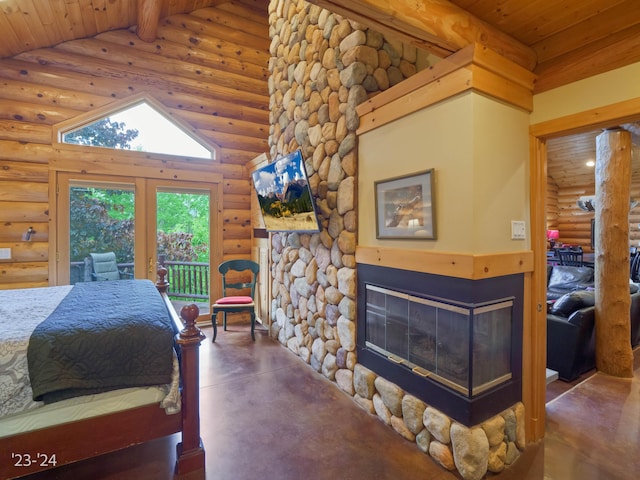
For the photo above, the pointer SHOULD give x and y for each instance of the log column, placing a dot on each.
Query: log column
(613, 182)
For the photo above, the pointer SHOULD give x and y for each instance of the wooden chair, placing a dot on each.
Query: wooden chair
(235, 303)
(104, 266)
(570, 256)
(634, 266)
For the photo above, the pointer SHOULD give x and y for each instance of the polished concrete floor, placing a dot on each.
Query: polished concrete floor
(266, 415)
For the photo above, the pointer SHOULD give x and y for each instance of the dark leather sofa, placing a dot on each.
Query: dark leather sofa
(571, 321)
(562, 279)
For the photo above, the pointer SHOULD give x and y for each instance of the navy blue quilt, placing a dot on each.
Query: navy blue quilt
(103, 336)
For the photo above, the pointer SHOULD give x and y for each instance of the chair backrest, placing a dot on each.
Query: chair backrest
(105, 266)
(570, 256)
(238, 266)
(634, 266)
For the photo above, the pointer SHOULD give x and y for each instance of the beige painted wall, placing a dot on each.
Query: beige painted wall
(597, 91)
(479, 149)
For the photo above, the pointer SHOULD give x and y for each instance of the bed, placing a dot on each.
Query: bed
(66, 412)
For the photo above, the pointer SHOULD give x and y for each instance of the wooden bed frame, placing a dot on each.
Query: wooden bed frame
(74, 441)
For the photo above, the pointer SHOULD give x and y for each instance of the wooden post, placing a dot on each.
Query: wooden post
(148, 16)
(612, 307)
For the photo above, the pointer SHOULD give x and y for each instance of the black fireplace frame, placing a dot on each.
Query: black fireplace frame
(467, 410)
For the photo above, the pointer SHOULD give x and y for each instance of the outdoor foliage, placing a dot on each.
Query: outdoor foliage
(103, 133)
(92, 227)
(102, 219)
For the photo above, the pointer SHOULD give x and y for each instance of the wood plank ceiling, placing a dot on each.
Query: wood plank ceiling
(560, 41)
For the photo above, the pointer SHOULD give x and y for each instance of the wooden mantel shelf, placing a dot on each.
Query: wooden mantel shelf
(451, 264)
(474, 68)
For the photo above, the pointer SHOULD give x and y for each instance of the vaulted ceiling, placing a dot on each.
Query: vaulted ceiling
(561, 42)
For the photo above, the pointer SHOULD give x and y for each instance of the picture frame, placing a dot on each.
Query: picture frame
(405, 207)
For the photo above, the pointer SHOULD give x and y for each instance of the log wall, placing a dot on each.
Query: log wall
(208, 68)
(574, 224)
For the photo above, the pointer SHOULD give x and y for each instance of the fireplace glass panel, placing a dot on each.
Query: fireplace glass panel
(423, 323)
(491, 346)
(397, 325)
(453, 346)
(467, 348)
(376, 318)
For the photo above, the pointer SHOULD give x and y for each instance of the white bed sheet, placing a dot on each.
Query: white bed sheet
(80, 408)
(21, 310)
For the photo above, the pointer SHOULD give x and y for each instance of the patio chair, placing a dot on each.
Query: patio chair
(104, 266)
(235, 303)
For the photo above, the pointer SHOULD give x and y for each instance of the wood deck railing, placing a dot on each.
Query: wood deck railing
(188, 280)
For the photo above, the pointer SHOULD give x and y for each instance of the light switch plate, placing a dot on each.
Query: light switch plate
(518, 230)
(5, 253)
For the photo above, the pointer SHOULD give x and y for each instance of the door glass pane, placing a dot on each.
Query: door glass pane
(101, 222)
(183, 246)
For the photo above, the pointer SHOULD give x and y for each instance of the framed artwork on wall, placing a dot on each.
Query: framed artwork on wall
(405, 207)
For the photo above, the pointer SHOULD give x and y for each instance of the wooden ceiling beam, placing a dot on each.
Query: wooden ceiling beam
(148, 17)
(436, 25)
(614, 51)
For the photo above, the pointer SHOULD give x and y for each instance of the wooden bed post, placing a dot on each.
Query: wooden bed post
(190, 451)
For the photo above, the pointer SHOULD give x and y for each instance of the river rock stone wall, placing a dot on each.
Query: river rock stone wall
(321, 67)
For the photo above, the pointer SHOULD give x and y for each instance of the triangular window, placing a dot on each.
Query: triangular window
(140, 126)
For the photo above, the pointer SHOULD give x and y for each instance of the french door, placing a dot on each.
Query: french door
(145, 223)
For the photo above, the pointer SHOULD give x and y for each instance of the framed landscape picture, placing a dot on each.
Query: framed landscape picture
(405, 207)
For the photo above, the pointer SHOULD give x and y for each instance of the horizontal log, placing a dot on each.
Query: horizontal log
(199, 22)
(575, 228)
(223, 125)
(130, 162)
(22, 192)
(21, 272)
(217, 108)
(237, 187)
(14, 231)
(14, 285)
(236, 246)
(119, 167)
(236, 142)
(39, 94)
(259, 57)
(26, 172)
(236, 156)
(24, 132)
(50, 76)
(142, 78)
(168, 68)
(240, 11)
(236, 201)
(33, 113)
(187, 53)
(27, 251)
(27, 212)
(243, 21)
(232, 231)
(236, 216)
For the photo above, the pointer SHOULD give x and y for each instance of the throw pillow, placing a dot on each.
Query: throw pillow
(563, 275)
(572, 301)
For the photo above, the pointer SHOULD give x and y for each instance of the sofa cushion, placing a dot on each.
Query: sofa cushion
(572, 301)
(569, 277)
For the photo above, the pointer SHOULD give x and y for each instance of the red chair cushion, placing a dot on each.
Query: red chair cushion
(234, 300)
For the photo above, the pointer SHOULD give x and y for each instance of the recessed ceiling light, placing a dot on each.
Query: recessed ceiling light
(590, 163)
